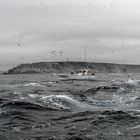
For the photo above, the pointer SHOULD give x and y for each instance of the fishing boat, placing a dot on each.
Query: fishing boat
(85, 74)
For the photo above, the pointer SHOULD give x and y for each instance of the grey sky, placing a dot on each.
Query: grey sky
(31, 29)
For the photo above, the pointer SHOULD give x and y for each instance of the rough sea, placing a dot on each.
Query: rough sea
(42, 107)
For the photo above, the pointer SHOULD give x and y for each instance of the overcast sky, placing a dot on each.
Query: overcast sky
(56, 30)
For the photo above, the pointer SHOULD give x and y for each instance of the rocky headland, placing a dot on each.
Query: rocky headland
(60, 67)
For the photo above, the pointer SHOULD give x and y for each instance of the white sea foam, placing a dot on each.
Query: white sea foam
(33, 95)
(118, 74)
(135, 127)
(34, 85)
(17, 93)
(135, 83)
(65, 101)
(124, 101)
(50, 82)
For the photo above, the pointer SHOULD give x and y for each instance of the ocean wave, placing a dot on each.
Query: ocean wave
(24, 105)
(65, 102)
(96, 98)
(106, 103)
(82, 101)
(126, 84)
(100, 116)
(39, 102)
(61, 102)
(119, 115)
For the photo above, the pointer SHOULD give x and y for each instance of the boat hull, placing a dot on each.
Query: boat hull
(77, 77)
(80, 77)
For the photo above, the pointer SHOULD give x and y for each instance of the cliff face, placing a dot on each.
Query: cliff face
(58, 67)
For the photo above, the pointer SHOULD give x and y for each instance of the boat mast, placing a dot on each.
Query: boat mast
(85, 55)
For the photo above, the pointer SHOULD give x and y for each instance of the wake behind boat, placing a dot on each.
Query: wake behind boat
(86, 74)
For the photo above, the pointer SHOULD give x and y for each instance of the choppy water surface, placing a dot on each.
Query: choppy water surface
(41, 107)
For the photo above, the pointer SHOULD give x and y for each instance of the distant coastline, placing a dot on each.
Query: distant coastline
(60, 67)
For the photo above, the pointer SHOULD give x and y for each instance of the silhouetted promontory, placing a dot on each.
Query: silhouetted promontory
(60, 67)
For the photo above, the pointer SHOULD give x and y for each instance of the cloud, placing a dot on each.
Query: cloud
(111, 33)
